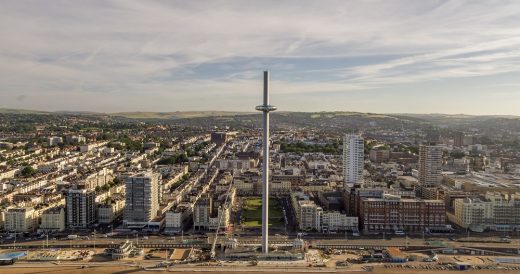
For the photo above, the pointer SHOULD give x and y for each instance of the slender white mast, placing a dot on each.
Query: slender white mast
(265, 108)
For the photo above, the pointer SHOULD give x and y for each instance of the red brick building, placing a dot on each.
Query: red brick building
(392, 213)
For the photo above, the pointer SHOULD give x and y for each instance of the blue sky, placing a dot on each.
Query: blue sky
(370, 56)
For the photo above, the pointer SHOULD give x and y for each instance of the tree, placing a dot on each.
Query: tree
(172, 160)
(412, 149)
(105, 187)
(28, 171)
(167, 161)
(367, 147)
(116, 181)
(182, 158)
(485, 140)
(300, 147)
(457, 154)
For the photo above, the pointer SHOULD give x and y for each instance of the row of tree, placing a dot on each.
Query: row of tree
(175, 159)
(301, 147)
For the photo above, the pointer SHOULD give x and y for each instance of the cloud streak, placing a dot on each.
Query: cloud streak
(128, 50)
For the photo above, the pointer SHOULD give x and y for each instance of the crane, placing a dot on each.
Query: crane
(225, 205)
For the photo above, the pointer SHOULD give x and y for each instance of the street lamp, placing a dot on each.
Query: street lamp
(94, 237)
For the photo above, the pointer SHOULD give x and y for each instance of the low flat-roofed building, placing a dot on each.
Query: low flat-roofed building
(280, 187)
(244, 187)
(235, 164)
(294, 179)
(495, 211)
(336, 221)
(177, 219)
(379, 155)
(112, 209)
(483, 182)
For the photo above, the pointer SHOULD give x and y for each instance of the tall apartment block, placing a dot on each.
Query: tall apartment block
(430, 171)
(141, 199)
(353, 159)
(81, 208)
(202, 212)
(458, 139)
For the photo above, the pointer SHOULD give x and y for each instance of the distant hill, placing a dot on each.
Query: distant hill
(134, 115)
(353, 121)
(456, 117)
(176, 115)
(22, 111)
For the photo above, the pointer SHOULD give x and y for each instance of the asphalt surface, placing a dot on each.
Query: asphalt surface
(252, 238)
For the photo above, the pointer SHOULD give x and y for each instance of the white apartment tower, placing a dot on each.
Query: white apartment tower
(353, 159)
(430, 170)
(141, 198)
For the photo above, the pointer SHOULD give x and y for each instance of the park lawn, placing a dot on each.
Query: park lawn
(258, 223)
(252, 213)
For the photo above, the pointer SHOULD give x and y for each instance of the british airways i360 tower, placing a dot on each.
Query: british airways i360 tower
(265, 108)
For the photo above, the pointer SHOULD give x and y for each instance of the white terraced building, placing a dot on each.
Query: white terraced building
(496, 211)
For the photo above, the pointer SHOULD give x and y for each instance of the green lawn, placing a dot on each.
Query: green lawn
(252, 213)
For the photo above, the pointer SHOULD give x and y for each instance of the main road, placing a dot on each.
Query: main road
(255, 239)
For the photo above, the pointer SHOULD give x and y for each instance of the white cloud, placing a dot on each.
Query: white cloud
(126, 49)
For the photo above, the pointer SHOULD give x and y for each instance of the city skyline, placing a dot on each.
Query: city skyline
(131, 138)
(424, 57)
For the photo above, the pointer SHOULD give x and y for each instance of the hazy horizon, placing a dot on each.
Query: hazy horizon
(250, 112)
(392, 57)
